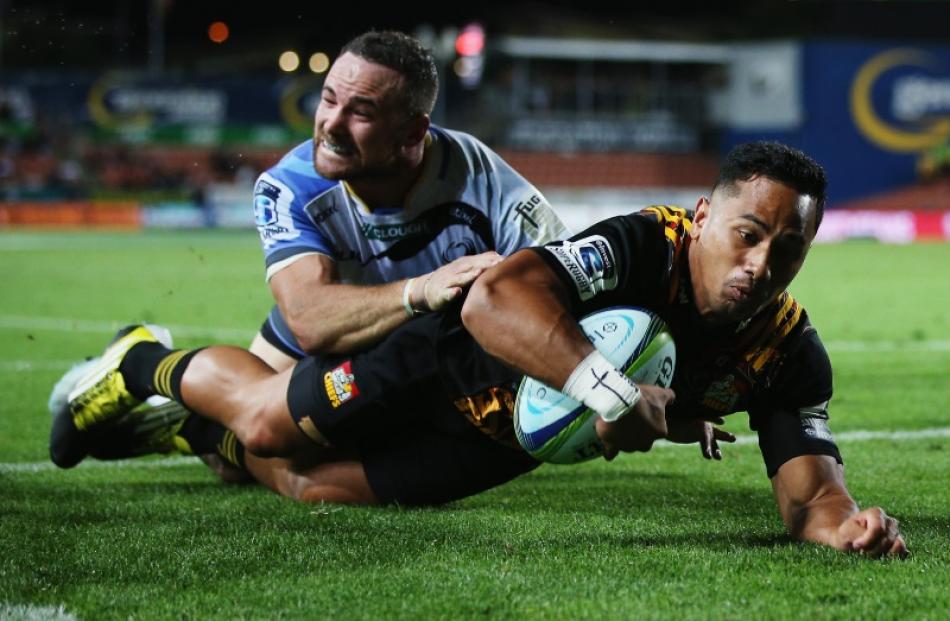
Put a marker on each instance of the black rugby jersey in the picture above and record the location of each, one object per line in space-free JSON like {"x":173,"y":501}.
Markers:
{"x":773,"y":365}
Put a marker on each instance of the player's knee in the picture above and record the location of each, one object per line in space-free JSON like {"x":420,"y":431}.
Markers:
{"x":262,"y":437}
{"x":334,"y":494}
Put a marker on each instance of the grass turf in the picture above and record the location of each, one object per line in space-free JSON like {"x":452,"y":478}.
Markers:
{"x":661,"y":535}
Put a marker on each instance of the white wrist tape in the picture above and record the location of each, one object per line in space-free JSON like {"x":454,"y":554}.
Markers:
{"x":600,"y":386}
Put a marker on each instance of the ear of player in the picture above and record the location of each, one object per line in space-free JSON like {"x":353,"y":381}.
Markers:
{"x":557,"y":429}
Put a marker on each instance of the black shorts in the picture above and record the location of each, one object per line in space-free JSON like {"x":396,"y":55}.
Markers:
{"x":390,"y":405}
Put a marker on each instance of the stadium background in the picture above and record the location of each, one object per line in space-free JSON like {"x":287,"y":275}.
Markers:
{"x":161,"y":113}
{"x":129,"y":142}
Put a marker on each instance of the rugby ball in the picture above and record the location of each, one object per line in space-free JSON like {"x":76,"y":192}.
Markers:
{"x":554,"y":428}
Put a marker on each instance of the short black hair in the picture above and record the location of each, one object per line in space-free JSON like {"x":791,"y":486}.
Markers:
{"x":409,"y":58}
{"x":779,"y":162}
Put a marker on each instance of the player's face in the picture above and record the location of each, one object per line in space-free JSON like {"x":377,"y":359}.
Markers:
{"x":749,"y":241}
{"x":360,"y":123}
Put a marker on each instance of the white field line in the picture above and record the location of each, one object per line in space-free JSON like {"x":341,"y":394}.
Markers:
{"x":167,"y":462}
{"x":60,"y":324}
{"x":27,"y":612}
{"x":91,"y":464}
{"x":27,"y":366}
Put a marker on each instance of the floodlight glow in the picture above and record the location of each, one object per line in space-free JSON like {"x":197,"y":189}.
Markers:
{"x":319,"y":62}
{"x":288,"y":61}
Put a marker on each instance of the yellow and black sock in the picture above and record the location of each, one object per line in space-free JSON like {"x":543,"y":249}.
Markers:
{"x":153,"y":369}
{"x":205,"y":436}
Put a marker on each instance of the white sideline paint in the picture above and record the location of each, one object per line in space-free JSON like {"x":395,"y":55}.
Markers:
{"x":91,"y":464}
{"x":26,"y":612}
{"x":61,"y":324}
{"x":168,"y":462}
{"x":65,"y":324}
{"x":859,"y":435}
{"x":23,"y":366}
{"x":887,"y":346}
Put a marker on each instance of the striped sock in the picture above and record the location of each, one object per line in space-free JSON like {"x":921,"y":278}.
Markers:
{"x":153,"y":369}
{"x":205,"y":436}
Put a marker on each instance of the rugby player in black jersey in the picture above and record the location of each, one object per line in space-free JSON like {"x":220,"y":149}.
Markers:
{"x":425,"y":416}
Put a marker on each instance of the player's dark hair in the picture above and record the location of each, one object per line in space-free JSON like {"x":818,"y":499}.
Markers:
{"x":779,"y":162}
{"x":403,"y":54}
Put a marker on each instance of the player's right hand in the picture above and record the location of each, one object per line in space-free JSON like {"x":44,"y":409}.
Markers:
{"x":639,"y":428}
{"x":435,"y":291}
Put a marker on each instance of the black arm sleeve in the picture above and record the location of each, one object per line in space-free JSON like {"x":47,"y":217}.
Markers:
{"x":792,"y":419}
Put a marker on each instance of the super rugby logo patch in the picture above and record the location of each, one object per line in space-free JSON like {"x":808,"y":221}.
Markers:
{"x":340,"y":384}
{"x":590,"y":262}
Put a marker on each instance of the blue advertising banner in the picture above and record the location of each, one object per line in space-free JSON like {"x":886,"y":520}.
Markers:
{"x":186,"y":110}
{"x":871,"y":110}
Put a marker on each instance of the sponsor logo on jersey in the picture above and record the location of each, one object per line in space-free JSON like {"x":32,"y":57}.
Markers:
{"x":459,"y":248}
{"x":272,"y":200}
{"x":324,"y":214}
{"x":590,"y":263}
{"x":524,"y":209}
{"x":394,"y":232}
{"x":537,"y":219}
{"x":340,"y":384}
{"x":814,"y":420}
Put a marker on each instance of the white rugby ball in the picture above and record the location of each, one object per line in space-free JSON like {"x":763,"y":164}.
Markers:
{"x":556,"y":429}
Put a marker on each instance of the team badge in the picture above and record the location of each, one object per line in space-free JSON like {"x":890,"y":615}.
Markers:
{"x":265,"y":203}
{"x":722,"y":394}
{"x":340,"y":384}
{"x":272,"y":201}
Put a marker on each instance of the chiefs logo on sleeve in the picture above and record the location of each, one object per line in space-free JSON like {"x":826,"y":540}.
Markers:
{"x":590,"y":263}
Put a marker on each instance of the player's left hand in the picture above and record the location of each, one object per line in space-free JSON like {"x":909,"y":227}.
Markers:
{"x":705,"y":432}
{"x":873,"y":533}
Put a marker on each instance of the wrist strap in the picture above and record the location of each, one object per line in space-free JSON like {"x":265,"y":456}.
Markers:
{"x":596,"y":383}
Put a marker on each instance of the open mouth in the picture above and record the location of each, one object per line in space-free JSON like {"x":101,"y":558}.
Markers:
{"x":334,"y":148}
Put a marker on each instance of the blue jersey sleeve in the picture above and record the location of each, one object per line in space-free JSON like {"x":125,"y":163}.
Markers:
{"x":280,"y":197}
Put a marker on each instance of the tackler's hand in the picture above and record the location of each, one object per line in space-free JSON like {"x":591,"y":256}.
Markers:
{"x":437,"y":289}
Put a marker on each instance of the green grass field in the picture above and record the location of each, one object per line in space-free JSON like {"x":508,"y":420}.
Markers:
{"x":661,"y":535}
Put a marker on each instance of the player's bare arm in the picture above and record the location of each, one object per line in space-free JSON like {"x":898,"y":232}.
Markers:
{"x":517,"y":311}
{"x":328,"y":316}
{"x":816,"y":506}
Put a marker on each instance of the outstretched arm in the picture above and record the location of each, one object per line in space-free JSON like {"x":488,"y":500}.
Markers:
{"x":816,"y":506}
